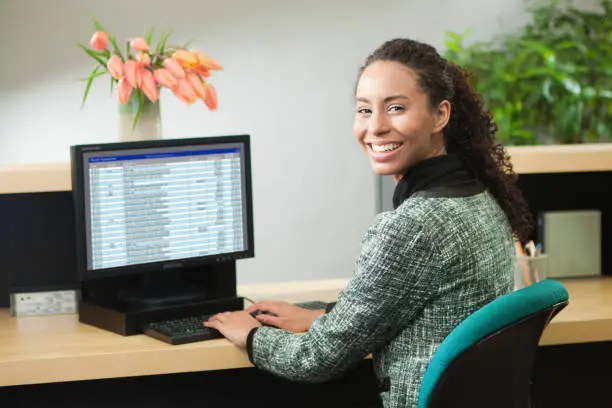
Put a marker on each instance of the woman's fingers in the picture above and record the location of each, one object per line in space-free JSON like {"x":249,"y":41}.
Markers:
{"x":268,"y":320}
{"x":265,"y":306}
{"x":219,"y":317}
{"x":214,"y":324}
{"x":254,"y":307}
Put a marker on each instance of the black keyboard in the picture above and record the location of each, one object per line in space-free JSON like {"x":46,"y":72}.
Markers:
{"x":183,"y":330}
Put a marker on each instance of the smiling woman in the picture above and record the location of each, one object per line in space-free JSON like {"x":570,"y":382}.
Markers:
{"x":429,"y":103}
{"x":394,"y":122}
{"x":443,"y":252}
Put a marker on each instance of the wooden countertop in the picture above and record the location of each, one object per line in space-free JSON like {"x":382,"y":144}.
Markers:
{"x":45,"y":349}
{"x":59,"y":348}
{"x":41,"y":177}
{"x":587,"y":318}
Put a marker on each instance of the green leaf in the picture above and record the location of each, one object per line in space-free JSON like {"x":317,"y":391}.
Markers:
{"x":604,"y":93}
{"x":116,"y":48}
{"x":538,"y":72}
{"x":112,"y":84}
{"x":569,"y":44}
{"x":93,"y":54}
{"x":456,"y":37}
{"x":149,"y":36}
{"x":161,"y":45}
{"x":546,"y":89}
{"x":103,"y":53}
{"x":571,"y":85}
{"x":93,"y":74}
{"x":602,"y":130}
{"x":589,"y":93}
{"x":97,"y":24}
{"x":522,"y":133}
{"x":139,"y":110}
{"x":452,"y":46}
{"x":528,"y":49}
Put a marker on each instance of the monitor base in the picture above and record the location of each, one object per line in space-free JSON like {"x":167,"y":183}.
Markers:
{"x":162,"y":290}
{"x":123,"y":304}
{"x":130,"y":322}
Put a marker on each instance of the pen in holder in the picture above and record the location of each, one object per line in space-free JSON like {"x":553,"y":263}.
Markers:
{"x":530,"y":265}
{"x":529,"y":270}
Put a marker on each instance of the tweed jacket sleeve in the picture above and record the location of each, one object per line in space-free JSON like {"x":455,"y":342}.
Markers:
{"x":391,"y":283}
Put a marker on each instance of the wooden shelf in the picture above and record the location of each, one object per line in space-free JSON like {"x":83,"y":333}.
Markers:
{"x":561,"y":158}
{"x":526,"y":160}
{"x":35,"y":178}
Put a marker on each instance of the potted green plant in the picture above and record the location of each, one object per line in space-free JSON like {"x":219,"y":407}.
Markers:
{"x":550,"y":82}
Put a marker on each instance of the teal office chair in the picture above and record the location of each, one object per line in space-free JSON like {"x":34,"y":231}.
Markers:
{"x":487,"y":360}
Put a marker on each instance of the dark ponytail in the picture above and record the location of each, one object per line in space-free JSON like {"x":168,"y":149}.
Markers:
{"x":470,"y":133}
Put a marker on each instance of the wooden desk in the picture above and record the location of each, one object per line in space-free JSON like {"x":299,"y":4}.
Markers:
{"x":587,"y":318}
{"x":59,"y":348}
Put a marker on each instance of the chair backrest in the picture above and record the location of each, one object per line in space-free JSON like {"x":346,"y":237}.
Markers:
{"x":487,"y":360}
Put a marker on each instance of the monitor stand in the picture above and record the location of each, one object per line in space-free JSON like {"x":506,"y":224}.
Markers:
{"x":122,"y":304}
{"x":162,"y":289}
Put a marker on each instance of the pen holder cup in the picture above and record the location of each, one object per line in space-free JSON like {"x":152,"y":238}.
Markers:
{"x":529,"y":270}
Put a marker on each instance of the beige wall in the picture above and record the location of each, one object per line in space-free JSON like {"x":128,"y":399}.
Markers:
{"x":289,"y":72}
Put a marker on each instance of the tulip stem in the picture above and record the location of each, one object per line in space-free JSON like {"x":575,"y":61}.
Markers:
{"x":139,"y":109}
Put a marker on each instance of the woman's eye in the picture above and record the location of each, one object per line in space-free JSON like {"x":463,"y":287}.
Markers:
{"x":363,"y":111}
{"x":396,"y":108}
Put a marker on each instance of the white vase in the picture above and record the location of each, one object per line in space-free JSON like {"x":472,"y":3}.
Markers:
{"x":149,"y":125}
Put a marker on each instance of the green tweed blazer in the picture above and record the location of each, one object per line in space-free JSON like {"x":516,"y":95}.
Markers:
{"x":423,"y":268}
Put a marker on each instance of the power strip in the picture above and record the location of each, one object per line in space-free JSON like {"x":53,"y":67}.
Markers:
{"x":43,"y":303}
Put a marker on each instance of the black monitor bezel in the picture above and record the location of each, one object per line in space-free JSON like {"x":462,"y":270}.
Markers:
{"x":78,"y":193}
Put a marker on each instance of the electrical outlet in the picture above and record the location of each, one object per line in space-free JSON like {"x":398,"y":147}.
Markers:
{"x":43,"y":303}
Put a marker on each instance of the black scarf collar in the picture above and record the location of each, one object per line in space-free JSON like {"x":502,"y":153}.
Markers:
{"x":435,"y":172}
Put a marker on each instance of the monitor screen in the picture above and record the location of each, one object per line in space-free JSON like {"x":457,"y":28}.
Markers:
{"x":162,"y":203}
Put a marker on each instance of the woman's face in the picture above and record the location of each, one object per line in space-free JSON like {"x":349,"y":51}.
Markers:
{"x":394,"y":121}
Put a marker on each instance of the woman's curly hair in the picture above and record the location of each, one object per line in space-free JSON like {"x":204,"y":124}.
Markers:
{"x":470,"y":133}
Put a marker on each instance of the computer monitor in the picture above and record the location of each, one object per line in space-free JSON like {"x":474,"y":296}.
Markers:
{"x":164,"y":205}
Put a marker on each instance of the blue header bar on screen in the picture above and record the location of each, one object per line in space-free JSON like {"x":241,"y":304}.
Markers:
{"x":162,"y":155}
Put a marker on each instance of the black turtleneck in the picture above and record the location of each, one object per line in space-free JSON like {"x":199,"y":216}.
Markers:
{"x":435,"y":172}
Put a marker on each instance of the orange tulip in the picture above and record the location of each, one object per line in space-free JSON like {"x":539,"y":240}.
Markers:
{"x":204,"y":72}
{"x":144,"y":59}
{"x":131,"y":70}
{"x":139,"y":44}
{"x":124,"y":91}
{"x":186,"y":59}
{"x":115,"y":66}
{"x":207,"y":62}
{"x":99,"y":41}
{"x":174,"y":67}
{"x":165,"y":78}
{"x":184,"y":91}
{"x":211,"y":97}
{"x":149,"y":86}
{"x":196,"y":83}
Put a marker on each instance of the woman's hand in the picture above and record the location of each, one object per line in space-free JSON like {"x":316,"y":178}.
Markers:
{"x":285,"y":315}
{"x":235,"y":326}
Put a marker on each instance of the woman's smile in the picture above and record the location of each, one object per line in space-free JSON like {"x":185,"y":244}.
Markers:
{"x":381,"y":152}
